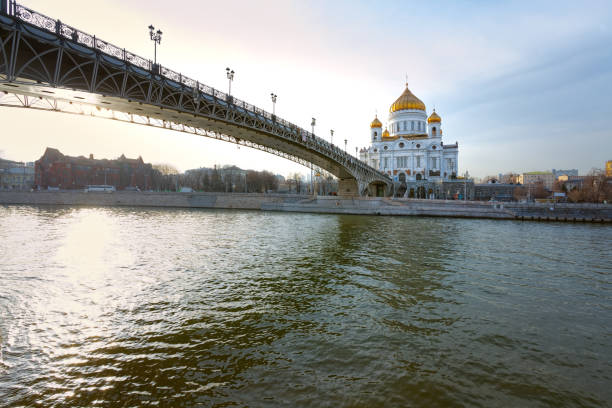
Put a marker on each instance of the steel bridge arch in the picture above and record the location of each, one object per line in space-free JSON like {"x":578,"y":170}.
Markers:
{"x":45,"y":64}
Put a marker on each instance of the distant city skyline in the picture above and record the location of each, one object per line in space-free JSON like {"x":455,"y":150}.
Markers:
{"x":521,"y":86}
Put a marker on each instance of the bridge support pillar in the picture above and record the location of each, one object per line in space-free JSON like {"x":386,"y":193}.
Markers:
{"x":348,"y":187}
{"x":358,"y":188}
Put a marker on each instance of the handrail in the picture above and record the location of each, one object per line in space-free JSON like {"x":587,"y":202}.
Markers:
{"x":63,"y":30}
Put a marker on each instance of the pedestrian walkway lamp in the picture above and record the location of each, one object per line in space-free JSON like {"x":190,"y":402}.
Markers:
{"x":273,"y":96}
{"x":312,"y":124}
{"x":230,"y":78}
{"x":345,"y":142}
{"x":156,"y":38}
{"x":331,"y":140}
{"x":465,"y":177}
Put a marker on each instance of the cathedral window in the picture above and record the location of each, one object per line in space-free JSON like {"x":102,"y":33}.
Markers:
{"x":404,"y":125}
{"x":434,"y":162}
{"x":401,"y":145}
{"x":412,"y":125}
{"x":386,"y":162}
{"x":418,"y":161}
{"x":385,"y":147}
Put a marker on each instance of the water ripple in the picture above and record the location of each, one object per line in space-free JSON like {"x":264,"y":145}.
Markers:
{"x":132,"y":307}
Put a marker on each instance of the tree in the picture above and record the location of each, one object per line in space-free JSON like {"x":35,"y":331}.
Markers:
{"x":539,"y":191}
{"x":165,"y":168}
{"x":216,"y":183}
{"x":519,"y":193}
{"x":295,"y":179}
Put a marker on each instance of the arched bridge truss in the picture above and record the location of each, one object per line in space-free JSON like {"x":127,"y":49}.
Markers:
{"x":48,"y":65}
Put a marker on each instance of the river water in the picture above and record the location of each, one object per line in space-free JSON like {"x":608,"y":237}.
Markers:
{"x":138,"y":307}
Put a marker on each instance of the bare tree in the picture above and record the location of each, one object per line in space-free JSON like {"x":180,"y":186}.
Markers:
{"x":519,"y":193}
{"x":539,"y":191}
{"x":165,"y":168}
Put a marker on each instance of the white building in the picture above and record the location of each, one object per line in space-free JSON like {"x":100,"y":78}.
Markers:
{"x":411,"y":147}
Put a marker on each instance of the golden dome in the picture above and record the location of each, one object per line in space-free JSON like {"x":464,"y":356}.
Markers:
{"x":376,"y":123}
{"x":407,"y":100}
{"x":385,"y":133}
{"x":434,"y":118}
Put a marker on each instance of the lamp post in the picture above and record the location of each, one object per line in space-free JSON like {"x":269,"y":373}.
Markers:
{"x":355,"y":151}
{"x":273,"y":96}
{"x":312,"y":124}
{"x":156,"y":38}
{"x":331,"y":140}
{"x":465,"y":177}
{"x":345,"y":142}
{"x":230,"y":77}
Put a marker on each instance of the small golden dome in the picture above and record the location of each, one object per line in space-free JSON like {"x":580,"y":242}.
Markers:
{"x":407,"y":100}
{"x":385,"y":133}
{"x":376,"y":123}
{"x":434,"y":118}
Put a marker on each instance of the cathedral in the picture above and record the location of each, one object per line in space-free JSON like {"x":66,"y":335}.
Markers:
{"x":411,"y":151}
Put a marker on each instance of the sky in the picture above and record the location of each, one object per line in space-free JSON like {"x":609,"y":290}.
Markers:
{"x":520,"y":85}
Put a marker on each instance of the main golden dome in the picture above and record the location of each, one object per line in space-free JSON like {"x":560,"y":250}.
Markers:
{"x":407,"y":100}
{"x":434,"y":118}
{"x":376,"y":123}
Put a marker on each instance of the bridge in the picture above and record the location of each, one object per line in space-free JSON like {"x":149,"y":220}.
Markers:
{"x":48,"y":65}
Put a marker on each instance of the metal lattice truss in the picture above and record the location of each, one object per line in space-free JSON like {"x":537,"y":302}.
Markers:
{"x":54,"y":105}
{"x":45,"y":64}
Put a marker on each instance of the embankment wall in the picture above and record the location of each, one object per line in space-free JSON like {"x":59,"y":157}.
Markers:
{"x":322,"y":204}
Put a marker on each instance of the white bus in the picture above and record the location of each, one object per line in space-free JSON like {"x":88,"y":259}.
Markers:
{"x":102,"y":188}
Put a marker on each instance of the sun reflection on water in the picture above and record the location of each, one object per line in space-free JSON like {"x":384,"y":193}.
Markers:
{"x":91,"y":246}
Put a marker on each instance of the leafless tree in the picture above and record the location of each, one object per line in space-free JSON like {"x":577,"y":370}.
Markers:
{"x":165,"y":168}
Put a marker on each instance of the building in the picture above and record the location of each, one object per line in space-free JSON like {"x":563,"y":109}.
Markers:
{"x":57,"y":170}
{"x":411,"y":151}
{"x":535,"y":177}
{"x":16,"y":175}
{"x":558,"y":173}
{"x":609,"y":168}
{"x":494,"y":192}
{"x":571,"y":182}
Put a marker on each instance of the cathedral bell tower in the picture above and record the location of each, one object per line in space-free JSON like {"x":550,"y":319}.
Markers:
{"x":375,"y":130}
{"x":434,"y":125}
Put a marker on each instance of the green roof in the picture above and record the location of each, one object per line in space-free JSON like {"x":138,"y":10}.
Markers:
{"x":538,"y":172}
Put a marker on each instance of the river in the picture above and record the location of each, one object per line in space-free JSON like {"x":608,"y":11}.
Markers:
{"x":183,"y":307}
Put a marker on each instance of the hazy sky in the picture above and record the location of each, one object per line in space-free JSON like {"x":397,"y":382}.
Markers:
{"x":520,"y":85}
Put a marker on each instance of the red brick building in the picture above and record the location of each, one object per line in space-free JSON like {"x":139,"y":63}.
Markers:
{"x":55,"y":169}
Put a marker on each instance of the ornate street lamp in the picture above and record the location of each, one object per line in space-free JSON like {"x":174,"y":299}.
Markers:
{"x":312,"y":124}
{"x":156,"y":38}
{"x":230,"y":78}
{"x":345,"y":142}
{"x":331,"y":140}
{"x":273,"y":96}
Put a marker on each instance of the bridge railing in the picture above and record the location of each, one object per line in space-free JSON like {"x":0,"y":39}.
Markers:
{"x":91,"y":41}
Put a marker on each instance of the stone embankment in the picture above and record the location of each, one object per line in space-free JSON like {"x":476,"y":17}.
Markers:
{"x":321,"y":204}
